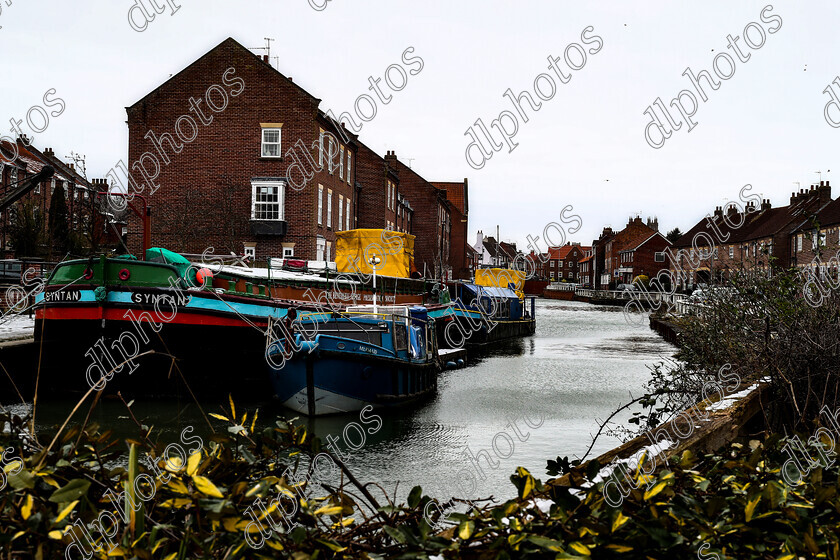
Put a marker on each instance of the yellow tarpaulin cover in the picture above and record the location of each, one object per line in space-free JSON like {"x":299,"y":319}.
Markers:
{"x":355,"y":247}
{"x":500,"y":278}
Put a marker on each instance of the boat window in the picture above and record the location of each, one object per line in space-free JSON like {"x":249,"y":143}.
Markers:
{"x":400,"y":337}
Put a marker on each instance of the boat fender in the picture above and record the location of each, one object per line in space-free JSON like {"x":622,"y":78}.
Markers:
{"x":460,"y":362}
{"x":100,"y":294}
{"x":450,"y":365}
{"x":124,"y":274}
{"x":88,"y":275}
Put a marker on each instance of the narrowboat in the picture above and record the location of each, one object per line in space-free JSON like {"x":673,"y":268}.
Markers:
{"x":342,"y":362}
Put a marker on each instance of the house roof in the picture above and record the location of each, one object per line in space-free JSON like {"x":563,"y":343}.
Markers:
{"x":828,"y":215}
{"x":586,"y":259}
{"x":561,"y":252}
{"x":634,"y":248}
{"x":230,"y":42}
{"x":456,"y":192}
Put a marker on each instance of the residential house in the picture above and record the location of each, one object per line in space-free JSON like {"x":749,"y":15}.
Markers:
{"x":646,"y":257}
{"x":563,"y":262}
{"x":234,"y":155}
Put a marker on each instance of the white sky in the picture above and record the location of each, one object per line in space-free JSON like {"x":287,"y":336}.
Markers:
{"x":764,"y":126}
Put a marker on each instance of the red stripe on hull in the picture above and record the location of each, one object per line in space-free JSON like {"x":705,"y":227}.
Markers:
{"x":110,"y":314}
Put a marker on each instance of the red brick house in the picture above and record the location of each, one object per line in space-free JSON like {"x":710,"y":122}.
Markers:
{"x":585,"y":266}
{"x":457,"y":193}
{"x":815,"y":241}
{"x":233,"y":155}
{"x":645,"y":258}
{"x":596,"y":275}
{"x":563,"y":262}
{"x":634,"y":233}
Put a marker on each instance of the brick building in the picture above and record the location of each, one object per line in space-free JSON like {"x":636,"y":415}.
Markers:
{"x":645,"y":258}
{"x":757,"y":238}
{"x":457,"y":193}
{"x":563,"y":262}
{"x":233,"y":155}
{"x":634,"y":233}
{"x":816,"y":240}
{"x":84,"y":218}
{"x":432,"y":221}
{"x":381,"y":204}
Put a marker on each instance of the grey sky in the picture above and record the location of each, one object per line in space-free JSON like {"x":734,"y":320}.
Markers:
{"x":764,"y":126}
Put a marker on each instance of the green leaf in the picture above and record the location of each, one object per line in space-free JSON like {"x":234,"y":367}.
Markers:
{"x":395,"y":534}
{"x":414,"y":497}
{"x":549,"y":544}
{"x":71,"y":491}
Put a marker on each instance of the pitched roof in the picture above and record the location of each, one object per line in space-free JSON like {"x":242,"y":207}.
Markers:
{"x":828,"y":215}
{"x":635,"y":247}
{"x":229,"y":43}
{"x":561,"y":252}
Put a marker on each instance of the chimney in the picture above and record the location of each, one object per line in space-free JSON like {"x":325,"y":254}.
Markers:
{"x":731,"y":210}
{"x":824,"y":193}
{"x":718,"y":212}
{"x":265,"y":58}
{"x":765,"y":204}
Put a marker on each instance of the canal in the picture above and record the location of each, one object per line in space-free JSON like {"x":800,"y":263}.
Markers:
{"x":518,"y":404}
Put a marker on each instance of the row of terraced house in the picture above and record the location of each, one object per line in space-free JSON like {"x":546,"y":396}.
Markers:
{"x":755,"y":237}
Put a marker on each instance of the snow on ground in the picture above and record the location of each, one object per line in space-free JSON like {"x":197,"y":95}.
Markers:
{"x":16,"y":327}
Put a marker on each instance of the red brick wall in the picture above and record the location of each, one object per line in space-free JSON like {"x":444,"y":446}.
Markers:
{"x":427,"y":202}
{"x":205,"y":194}
{"x":372,"y":174}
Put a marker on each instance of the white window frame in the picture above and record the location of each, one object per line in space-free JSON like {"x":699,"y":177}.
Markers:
{"x":341,"y":162}
{"x":329,"y":208}
{"x":340,"y":211}
{"x":347,"y":214}
{"x":320,"y":205}
{"x":349,"y":166}
{"x":799,"y":242}
{"x":328,"y":251}
{"x":288,"y":252}
{"x":281,"y":200}
{"x":321,"y":149}
{"x":278,"y":143}
{"x":320,"y":248}
{"x":251,"y":252}
{"x":731,"y":252}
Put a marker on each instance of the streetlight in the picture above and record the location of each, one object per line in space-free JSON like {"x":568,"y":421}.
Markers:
{"x":374,"y":261}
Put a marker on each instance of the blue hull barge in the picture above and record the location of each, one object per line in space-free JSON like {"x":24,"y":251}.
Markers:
{"x":331,"y":363}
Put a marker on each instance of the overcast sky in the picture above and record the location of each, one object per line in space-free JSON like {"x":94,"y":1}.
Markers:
{"x":585,"y":146}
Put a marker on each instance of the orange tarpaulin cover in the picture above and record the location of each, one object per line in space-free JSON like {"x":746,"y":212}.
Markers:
{"x":355,"y":247}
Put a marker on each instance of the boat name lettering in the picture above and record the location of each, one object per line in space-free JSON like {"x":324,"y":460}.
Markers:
{"x":154,"y":298}
{"x":368,"y":350}
{"x":63,"y":295}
